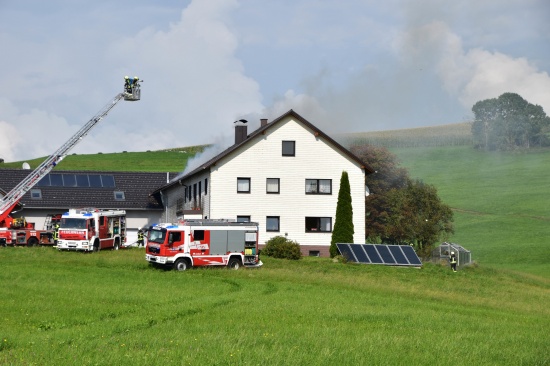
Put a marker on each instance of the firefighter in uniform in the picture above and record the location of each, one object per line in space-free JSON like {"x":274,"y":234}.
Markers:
{"x":127,"y":85}
{"x":452,"y":260}
{"x":55,"y":234}
{"x":140,"y":237}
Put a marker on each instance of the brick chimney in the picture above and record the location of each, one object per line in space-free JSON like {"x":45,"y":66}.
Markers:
{"x":240,"y":131}
{"x":263,"y":122}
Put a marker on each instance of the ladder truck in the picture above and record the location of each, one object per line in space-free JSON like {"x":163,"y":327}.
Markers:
{"x":14,"y":231}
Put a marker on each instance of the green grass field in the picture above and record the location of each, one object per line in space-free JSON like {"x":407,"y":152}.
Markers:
{"x":170,"y":160}
{"x":500,"y":201}
{"x":111,"y":308}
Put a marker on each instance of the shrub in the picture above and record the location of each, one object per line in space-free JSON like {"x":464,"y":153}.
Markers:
{"x":281,"y":247}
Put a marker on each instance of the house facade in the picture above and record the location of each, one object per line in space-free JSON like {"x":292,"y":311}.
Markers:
{"x":285,"y":176}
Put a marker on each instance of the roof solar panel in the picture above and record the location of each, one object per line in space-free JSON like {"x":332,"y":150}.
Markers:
{"x":392,"y":255}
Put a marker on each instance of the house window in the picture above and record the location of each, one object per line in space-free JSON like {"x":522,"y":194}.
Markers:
{"x":318,"y":224}
{"x":36,"y":194}
{"x":318,"y":186}
{"x":272,"y":223}
{"x":272,"y":185}
{"x":243,"y":185}
{"x":119,"y":196}
{"x":289,"y":148}
{"x":243,"y":218}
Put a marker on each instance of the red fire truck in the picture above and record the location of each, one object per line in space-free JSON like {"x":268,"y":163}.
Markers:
{"x":18,"y":231}
{"x":196,"y":243}
{"x":92,"y":230}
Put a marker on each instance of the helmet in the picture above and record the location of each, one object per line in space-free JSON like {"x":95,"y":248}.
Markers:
{"x":452,"y":252}
{"x":139,"y":228}
{"x":135,"y":77}
{"x":126,"y":77}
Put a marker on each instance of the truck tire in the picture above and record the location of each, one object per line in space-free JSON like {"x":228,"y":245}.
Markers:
{"x":234,"y":263}
{"x":117,"y":244}
{"x":32,"y":242}
{"x":96,"y":245}
{"x":181,"y":264}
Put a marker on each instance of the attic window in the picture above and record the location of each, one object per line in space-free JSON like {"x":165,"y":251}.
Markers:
{"x":36,"y":194}
{"x":119,"y":196}
{"x":289,"y":148}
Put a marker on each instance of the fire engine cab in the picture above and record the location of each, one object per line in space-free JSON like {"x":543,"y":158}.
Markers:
{"x":92,"y":230}
{"x":203,"y":242}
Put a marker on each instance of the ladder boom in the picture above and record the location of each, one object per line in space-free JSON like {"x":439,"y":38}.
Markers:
{"x":10,"y":199}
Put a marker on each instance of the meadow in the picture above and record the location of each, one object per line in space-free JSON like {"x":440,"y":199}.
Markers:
{"x":500,"y":201}
{"x":111,"y":308}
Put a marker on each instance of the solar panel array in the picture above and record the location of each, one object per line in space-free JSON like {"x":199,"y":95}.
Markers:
{"x":391,"y":255}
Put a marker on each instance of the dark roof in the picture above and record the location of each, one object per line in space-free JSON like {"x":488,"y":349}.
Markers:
{"x":290,"y":113}
{"x":137,"y":187}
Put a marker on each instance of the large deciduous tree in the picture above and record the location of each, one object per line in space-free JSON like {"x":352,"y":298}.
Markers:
{"x":343,"y":225}
{"x":508,"y":122}
{"x":400,"y":210}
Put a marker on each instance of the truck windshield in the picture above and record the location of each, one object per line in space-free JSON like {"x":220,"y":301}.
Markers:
{"x":157,"y":236}
{"x":69,"y":223}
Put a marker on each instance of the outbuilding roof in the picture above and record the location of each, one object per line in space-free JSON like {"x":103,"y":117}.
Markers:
{"x":136,"y":188}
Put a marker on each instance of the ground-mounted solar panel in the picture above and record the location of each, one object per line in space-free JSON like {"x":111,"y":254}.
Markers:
{"x":346,"y":252}
{"x":411,"y":255}
{"x":360,"y":254}
{"x":372,"y":253}
{"x":398,"y":254}
{"x":385,"y":254}
{"x":391,"y":255}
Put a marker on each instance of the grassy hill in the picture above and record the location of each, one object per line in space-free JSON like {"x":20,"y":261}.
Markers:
{"x":169,"y":160}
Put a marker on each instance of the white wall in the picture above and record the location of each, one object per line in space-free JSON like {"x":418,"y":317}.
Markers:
{"x":263,"y":159}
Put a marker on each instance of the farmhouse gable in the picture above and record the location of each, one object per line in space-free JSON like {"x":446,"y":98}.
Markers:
{"x":285,"y":175}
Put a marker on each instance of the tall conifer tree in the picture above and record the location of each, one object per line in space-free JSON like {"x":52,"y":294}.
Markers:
{"x":343,"y":226}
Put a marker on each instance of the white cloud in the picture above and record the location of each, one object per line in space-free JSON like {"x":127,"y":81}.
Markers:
{"x":194,"y":87}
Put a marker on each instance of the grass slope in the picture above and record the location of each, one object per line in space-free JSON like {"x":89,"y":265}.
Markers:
{"x":501,"y":202}
{"x":110,"y":308}
{"x":171,"y":160}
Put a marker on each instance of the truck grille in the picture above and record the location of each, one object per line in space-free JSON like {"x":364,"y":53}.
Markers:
{"x":153,"y":250}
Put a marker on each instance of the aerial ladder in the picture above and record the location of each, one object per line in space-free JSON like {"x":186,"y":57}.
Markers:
{"x":11,"y":199}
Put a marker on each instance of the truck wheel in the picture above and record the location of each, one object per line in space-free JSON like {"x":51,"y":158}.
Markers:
{"x":117,"y":245}
{"x":32,"y":242}
{"x":181,"y":264}
{"x":234,"y":263}
{"x":96,"y":245}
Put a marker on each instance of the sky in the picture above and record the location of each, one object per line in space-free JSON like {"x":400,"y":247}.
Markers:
{"x":344,"y":65}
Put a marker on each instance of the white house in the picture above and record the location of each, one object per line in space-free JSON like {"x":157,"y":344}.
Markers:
{"x":285,"y":176}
